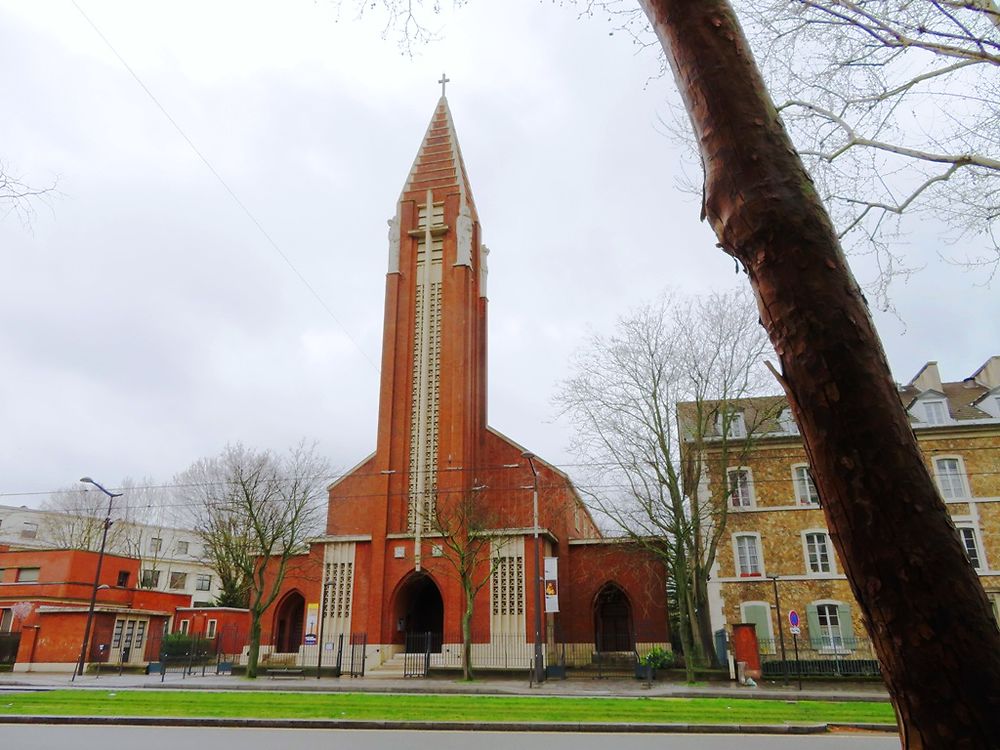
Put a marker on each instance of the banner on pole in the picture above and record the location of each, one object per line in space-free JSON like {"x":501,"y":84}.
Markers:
{"x":312,"y":618}
{"x":551,"y":578}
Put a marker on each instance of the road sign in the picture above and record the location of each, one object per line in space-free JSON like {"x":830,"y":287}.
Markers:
{"x":793,"y":618}
{"x":795,"y":630}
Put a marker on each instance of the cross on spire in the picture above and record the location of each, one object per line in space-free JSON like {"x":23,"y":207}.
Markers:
{"x":444,"y":80}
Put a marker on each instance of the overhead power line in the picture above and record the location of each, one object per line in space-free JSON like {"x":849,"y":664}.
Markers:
{"x":225,"y":186}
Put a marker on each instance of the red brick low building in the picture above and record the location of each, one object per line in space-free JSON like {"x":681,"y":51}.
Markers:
{"x":45,"y":595}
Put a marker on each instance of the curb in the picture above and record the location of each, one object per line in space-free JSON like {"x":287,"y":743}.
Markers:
{"x":457,"y":726}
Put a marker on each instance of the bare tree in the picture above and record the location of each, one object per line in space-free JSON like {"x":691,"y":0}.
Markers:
{"x":623,"y":396}
{"x":923,"y":605}
{"x":467,"y":531}
{"x":254,"y":511}
{"x":17,"y":196}
{"x":74,"y":519}
{"x":895,"y":108}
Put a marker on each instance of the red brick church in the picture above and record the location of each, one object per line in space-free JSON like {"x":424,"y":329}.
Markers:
{"x":385,"y":570}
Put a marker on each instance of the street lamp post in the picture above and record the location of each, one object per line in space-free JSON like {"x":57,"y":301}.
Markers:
{"x":781,"y":627}
{"x":97,"y":576}
{"x":322,"y":618}
{"x":539,"y":672}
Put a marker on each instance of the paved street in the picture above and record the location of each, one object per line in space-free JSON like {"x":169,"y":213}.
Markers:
{"x":46,"y":737}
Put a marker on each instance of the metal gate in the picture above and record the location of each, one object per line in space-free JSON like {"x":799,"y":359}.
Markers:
{"x":417,"y":654}
{"x":358,"y":647}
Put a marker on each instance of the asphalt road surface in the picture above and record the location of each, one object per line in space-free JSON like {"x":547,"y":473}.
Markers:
{"x":47,"y":737}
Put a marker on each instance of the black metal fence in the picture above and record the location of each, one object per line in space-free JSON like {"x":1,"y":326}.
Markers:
{"x":358,"y":651}
{"x":424,"y":652}
{"x":843,"y":657}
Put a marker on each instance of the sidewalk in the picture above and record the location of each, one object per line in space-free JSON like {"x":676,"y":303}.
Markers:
{"x":486,"y":685}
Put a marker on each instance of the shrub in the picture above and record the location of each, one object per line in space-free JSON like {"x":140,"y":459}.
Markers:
{"x":658,"y":658}
{"x":175,"y":645}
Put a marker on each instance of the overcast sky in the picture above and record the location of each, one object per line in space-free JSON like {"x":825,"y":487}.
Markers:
{"x":147,"y":320}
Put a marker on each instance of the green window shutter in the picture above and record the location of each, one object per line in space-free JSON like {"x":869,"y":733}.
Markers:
{"x":760,"y":616}
{"x":812,"y":622}
{"x":846,"y":625}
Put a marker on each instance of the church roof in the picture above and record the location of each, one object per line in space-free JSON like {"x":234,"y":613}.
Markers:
{"x":439,"y":166}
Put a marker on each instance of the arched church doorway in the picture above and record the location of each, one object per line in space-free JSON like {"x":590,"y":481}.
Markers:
{"x":613,"y":620}
{"x":419,"y":610}
{"x":288,"y":619}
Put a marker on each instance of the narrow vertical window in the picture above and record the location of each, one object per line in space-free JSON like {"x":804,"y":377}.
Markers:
{"x":740,"y":491}
{"x":805,"y":488}
{"x":968,"y":537}
{"x":818,"y":553}
{"x":748,"y":556}
{"x":950,"y":478}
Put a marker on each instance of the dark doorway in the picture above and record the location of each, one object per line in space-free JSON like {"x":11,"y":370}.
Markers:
{"x":613,"y":620}
{"x":288,"y":623}
{"x":419,"y":610}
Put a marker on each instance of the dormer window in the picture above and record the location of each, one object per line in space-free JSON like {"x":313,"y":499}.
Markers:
{"x":732,"y":424}
{"x":936,"y":412}
{"x":787,"y":422}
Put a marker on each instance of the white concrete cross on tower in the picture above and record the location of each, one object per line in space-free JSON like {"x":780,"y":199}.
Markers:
{"x":444,"y":80}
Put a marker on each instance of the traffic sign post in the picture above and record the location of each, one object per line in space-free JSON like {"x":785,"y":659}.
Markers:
{"x":796,"y":631}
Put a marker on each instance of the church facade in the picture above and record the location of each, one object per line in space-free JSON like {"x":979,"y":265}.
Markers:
{"x":441,"y":483}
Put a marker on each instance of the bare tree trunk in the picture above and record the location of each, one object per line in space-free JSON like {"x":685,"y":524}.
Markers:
{"x":467,"y":639}
{"x":923,"y":605}
{"x":682,"y":582}
{"x":704,"y":621}
{"x":253,"y":654}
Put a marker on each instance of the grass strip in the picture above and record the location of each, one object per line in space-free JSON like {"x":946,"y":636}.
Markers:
{"x":383,"y":707}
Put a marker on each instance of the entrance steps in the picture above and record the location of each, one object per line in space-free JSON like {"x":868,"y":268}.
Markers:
{"x":391,"y":669}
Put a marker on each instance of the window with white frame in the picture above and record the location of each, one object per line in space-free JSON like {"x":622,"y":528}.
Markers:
{"x":936,"y":411}
{"x":731,"y":424}
{"x":968,"y":536}
{"x":185,"y":624}
{"x":830,"y":627}
{"x":178,"y":580}
{"x":830,"y":633}
{"x":155,"y":544}
{"x":29,"y":530}
{"x":805,"y":488}
{"x":203,"y":582}
{"x":950,"y":475}
{"x":740,"y":488}
{"x":787,"y":422}
{"x":818,"y":557}
{"x":211,"y":628}
{"x":748,"y":562}
{"x":6,"y":620}
{"x":181,"y":548}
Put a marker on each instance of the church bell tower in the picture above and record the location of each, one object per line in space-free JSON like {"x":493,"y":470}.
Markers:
{"x":432,"y":400}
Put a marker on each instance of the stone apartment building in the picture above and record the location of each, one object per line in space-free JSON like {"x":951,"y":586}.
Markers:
{"x":776,"y":527}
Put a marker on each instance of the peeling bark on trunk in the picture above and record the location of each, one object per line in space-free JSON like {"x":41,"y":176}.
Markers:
{"x":923,"y":605}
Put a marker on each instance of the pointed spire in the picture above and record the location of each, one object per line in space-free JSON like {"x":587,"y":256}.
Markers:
{"x":439,"y":166}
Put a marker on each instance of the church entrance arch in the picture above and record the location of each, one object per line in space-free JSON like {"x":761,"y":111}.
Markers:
{"x":288,"y":619}
{"x":419,"y":610}
{"x":613,"y":620}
